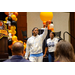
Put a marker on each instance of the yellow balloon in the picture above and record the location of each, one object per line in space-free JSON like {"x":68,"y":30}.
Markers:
{"x":6,"y":18}
{"x":13,"y":32}
{"x":16,"y":19}
{"x":45,"y":16}
{"x":10,"y":31}
{"x":13,"y":17}
{"x":14,"y":38}
{"x":13,"y":28}
{"x":20,"y":41}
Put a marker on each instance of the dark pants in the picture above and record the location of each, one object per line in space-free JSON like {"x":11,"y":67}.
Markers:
{"x":51,"y":56}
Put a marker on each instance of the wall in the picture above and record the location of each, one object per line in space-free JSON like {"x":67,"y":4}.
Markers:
{"x":60,"y":20}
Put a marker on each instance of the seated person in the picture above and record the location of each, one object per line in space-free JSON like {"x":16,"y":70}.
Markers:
{"x":17,"y":53}
{"x":64,"y":52}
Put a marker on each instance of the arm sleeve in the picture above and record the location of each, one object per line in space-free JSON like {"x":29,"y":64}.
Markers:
{"x":44,"y":33}
{"x":27,"y":49}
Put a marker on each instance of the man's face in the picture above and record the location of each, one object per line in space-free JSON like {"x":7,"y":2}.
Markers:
{"x":35,"y":31}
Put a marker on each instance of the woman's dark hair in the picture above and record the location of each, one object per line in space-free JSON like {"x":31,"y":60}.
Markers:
{"x":53,"y":33}
{"x":64,"y":52}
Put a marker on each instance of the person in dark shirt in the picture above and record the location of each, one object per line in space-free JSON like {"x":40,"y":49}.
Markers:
{"x":17,"y":53}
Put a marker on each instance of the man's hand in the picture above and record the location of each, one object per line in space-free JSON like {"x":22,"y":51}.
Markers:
{"x":44,"y":55}
{"x":47,"y":23}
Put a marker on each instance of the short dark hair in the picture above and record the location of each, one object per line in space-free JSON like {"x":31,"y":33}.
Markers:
{"x":17,"y":47}
{"x":53,"y":33}
{"x":34,"y":28}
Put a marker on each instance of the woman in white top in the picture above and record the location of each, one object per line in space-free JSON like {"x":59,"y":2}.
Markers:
{"x":50,"y":46}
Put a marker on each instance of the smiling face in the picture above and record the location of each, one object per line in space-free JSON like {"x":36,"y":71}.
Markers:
{"x":35,"y":31}
{"x":51,"y":35}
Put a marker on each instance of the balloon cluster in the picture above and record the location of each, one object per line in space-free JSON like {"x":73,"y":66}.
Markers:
{"x":11,"y":20}
{"x":47,"y":16}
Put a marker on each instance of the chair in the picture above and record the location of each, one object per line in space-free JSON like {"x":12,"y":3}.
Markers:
{"x":58,"y":35}
{"x":24,"y":35}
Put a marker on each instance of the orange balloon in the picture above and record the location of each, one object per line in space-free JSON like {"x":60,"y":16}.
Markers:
{"x":10,"y":46}
{"x":7,"y":13}
{"x":15,"y":13}
{"x":44,"y":22}
{"x":13,"y":17}
{"x":45,"y":16}
{"x":49,"y":21}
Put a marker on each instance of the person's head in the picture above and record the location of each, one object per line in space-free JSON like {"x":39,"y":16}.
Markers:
{"x":35,"y":31}
{"x":18,"y":49}
{"x":52,"y":35}
{"x":64,"y":52}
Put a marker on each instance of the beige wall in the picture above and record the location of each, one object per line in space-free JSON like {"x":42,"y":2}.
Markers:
{"x":60,"y":21}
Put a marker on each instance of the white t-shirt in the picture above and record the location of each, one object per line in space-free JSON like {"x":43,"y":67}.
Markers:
{"x":51,"y":44}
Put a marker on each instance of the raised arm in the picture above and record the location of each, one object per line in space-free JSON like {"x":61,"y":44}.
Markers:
{"x":45,"y":31}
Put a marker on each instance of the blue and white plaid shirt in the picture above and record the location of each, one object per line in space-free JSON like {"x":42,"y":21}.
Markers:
{"x":34,"y":44}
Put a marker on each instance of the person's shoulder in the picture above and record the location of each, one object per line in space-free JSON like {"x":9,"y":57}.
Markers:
{"x":56,"y":39}
{"x":48,"y":39}
{"x":24,"y":60}
{"x":30,"y":38}
{"x":8,"y":60}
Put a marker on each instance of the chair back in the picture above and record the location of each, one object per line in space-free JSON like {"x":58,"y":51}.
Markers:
{"x":58,"y":34}
{"x":24,"y":33}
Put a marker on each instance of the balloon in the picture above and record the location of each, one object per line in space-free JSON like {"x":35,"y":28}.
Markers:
{"x":49,"y":21}
{"x":9,"y":18}
{"x":24,"y":45}
{"x":16,"y":19}
{"x":20,"y":41}
{"x":44,"y":22}
{"x":10,"y":31}
{"x":6,"y":18}
{"x":46,"y":16}
{"x":7,"y":13}
{"x":51,"y":25}
{"x":14,"y":38}
{"x":14,"y":42}
{"x":13,"y":32}
{"x":13,"y":17}
{"x":1,"y":23}
{"x":15,"y":13}
{"x":13,"y":27}
{"x":5,"y":22}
